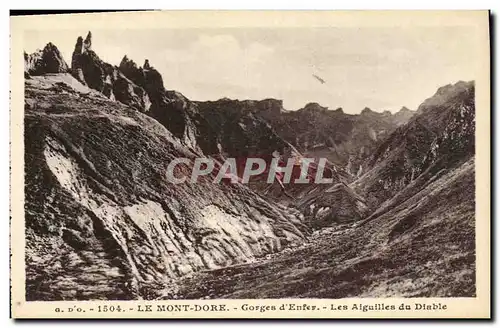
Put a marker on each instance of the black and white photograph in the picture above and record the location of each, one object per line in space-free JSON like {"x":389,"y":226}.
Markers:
{"x":267,"y":161}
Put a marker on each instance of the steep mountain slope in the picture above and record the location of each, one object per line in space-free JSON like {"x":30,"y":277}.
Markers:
{"x":440,"y":137}
{"x":103,"y":221}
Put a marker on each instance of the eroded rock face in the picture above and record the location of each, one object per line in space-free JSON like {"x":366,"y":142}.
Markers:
{"x":101,"y":211}
{"x":47,"y":60}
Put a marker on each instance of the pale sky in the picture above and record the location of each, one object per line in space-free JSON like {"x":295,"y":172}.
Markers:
{"x":380,"y":68}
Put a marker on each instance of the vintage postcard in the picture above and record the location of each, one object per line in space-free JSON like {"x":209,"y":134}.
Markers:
{"x":263,"y":164}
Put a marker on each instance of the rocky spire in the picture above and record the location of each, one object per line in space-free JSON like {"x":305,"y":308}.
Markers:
{"x":87,"y":44}
{"x":76,"y":67}
{"x":87,"y":67}
{"x":77,"y":52}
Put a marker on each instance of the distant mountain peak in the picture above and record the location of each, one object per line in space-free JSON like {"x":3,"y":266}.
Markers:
{"x":445,"y":93}
{"x":367,"y":110}
{"x":314,"y":106}
{"x":403,"y":115}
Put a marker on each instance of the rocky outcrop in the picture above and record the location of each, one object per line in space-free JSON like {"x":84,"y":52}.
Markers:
{"x":88,"y":68}
{"x":170,"y":108}
{"x":76,"y":61}
{"x":130,"y":69}
{"x":234,"y":128}
{"x":147,"y":77}
{"x":86,"y":61}
{"x":45,"y":61}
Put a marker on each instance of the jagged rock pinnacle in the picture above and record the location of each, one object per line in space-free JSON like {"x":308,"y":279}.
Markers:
{"x":124,"y":60}
{"x":146,"y":76}
{"x":87,"y":45}
{"x":79,"y":45}
{"x":78,"y":51}
{"x":127,"y":64}
{"x":76,"y":66}
{"x":48,"y":60}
